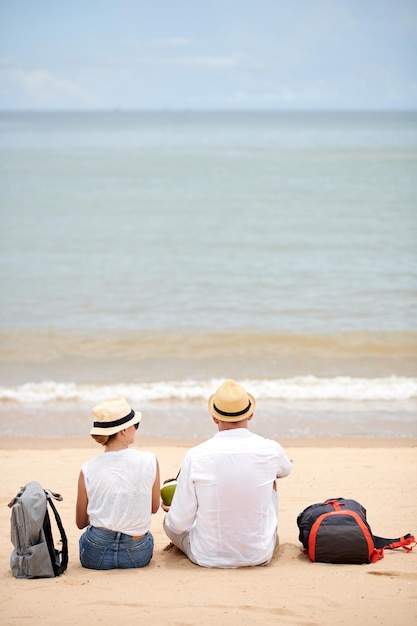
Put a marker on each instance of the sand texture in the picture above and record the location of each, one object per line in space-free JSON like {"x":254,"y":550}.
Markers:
{"x":381,"y":474}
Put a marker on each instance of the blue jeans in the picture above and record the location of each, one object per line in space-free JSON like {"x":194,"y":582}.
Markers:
{"x":105,"y":549}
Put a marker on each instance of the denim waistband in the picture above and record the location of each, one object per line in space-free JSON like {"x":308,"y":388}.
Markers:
{"x":114,"y":536}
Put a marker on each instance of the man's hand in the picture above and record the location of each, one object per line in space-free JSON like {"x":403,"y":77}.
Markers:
{"x":165,"y":507}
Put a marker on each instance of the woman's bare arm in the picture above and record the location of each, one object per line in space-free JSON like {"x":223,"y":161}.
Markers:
{"x":156,"y":490}
{"x":81,"y":516}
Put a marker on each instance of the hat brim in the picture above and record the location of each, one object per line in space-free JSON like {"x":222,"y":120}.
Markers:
{"x":232,"y":418}
{"x":100,"y":430}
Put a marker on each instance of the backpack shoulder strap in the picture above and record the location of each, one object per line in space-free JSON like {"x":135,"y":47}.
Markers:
{"x":54,"y":495}
{"x":407,"y":542}
{"x":61,"y":556}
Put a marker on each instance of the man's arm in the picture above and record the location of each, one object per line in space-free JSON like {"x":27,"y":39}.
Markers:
{"x":284,"y":464}
{"x":181,"y":514}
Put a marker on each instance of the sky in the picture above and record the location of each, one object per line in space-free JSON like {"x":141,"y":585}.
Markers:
{"x":214,"y":54}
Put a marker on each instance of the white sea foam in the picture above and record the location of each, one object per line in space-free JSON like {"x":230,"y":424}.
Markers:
{"x":298,"y":388}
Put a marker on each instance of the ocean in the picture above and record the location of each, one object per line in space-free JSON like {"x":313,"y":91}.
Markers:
{"x":154,"y":254}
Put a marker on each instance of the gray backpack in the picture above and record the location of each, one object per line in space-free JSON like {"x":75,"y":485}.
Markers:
{"x":35,"y":555}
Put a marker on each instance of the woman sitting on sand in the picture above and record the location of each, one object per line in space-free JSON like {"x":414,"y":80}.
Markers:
{"x":117,"y":493}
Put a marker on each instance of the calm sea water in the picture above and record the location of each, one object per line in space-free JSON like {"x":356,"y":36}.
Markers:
{"x":154,"y":254}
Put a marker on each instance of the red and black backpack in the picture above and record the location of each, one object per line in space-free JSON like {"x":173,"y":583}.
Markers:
{"x":336,"y":531}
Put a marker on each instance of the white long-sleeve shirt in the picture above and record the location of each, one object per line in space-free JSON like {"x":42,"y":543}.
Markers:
{"x":224,"y":498}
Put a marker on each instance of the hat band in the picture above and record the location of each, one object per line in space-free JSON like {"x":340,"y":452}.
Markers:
{"x":118,"y":422}
{"x":226,"y":414}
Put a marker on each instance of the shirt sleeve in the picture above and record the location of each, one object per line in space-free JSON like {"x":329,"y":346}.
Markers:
{"x":183,"y":509}
{"x":284,"y":463}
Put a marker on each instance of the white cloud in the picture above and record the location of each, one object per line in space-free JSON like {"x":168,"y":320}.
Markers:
{"x":172,"y":42}
{"x":191,"y":61}
{"x":282,"y":94}
{"x":161,"y":52}
{"x":43,"y":84}
{"x":38,"y":85}
{"x":161,"y":42}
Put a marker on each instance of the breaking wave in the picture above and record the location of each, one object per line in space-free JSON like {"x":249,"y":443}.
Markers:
{"x":291,"y":389}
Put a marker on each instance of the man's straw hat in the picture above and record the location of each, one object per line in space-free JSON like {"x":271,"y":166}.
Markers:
{"x":231,"y":403}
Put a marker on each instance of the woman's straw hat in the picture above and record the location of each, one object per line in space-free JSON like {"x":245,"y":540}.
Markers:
{"x":231,"y":403}
{"x":113,"y":415}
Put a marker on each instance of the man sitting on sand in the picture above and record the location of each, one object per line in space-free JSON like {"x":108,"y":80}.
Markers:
{"x":225,"y":508}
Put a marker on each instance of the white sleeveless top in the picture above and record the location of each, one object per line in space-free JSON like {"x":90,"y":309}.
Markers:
{"x":119,"y":490}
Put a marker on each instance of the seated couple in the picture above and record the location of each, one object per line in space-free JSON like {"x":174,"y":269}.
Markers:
{"x":225,"y":510}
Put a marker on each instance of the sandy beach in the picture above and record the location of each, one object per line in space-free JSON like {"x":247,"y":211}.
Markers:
{"x":379,"y":473}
